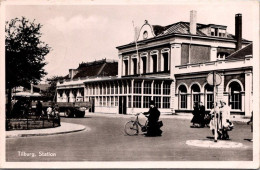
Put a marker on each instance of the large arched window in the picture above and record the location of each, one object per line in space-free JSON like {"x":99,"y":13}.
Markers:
{"x":182,"y":97}
{"x":235,"y":99}
{"x":209,"y":96}
{"x":195,"y":91}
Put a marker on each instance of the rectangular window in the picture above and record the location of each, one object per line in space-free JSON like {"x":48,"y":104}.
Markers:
{"x":129,"y":101}
{"x":104,"y":101}
{"x":94,"y":90}
{"x":104,"y":89}
{"x":108,"y":89}
{"x":157,"y":101}
{"x":154,"y":58}
{"x":144,"y":64}
{"x":112,"y":101}
{"x":157,"y":88}
{"x":108,"y":101}
{"x":135,"y":66}
{"x":196,"y":98}
{"x":166,"y":89}
{"x":137,"y":102}
{"x":166,"y":102}
{"x":165,"y":64}
{"x":120,"y":89}
{"x":126,"y":67}
{"x":235,"y":101}
{"x":116,"y":101}
{"x":147,"y":87}
{"x":129,"y":87}
{"x":183,"y":101}
{"x":112,"y":89}
{"x":146,"y":101}
{"x":137,"y":87}
{"x":210,"y":101}
{"x":100,"y":89}
{"x":116,"y":89}
{"x":100,"y":101}
{"x":125,"y":89}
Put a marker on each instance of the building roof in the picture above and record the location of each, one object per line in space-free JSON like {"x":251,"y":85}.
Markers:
{"x":42,"y":87}
{"x":184,"y":29}
{"x":97,"y":68}
{"x":242,"y":53}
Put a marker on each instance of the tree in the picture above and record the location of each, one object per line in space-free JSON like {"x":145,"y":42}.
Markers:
{"x":50,"y":93}
{"x":25,"y":54}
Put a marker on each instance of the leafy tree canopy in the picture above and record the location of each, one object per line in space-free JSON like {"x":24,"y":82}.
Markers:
{"x":25,"y":52}
{"x":50,"y":92}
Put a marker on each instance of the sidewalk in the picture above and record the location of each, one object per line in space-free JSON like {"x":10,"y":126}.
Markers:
{"x":64,"y":128}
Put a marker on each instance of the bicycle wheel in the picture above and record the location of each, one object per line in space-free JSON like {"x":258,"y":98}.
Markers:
{"x":131,"y":128}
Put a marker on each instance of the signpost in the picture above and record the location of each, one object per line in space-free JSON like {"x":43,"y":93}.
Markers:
{"x":214,"y":79}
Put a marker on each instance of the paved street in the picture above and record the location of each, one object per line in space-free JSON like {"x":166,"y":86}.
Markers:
{"x":106,"y":141}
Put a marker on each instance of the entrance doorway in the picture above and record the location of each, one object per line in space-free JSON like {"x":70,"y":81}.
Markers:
{"x":122,"y":105}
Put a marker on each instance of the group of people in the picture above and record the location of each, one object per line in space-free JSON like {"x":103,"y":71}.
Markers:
{"x":219,"y":118}
{"x":199,"y":116}
{"x":52,"y":111}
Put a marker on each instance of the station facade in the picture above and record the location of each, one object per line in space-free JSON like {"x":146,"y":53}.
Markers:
{"x":170,"y":65}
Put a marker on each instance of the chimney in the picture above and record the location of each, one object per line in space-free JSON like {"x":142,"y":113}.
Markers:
{"x":72,"y":73}
{"x":238,"y":31}
{"x":193,"y":22}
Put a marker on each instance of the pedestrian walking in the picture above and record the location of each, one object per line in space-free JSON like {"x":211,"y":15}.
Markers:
{"x":153,"y":128}
{"x":196,"y":116}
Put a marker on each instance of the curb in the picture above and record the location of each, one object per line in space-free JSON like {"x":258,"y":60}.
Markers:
{"x":39,"y":133}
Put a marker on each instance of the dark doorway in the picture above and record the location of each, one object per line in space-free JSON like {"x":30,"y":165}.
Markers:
{"x":144,"y":65}
{"x":92,"y":101}
{"x":122,"y":104}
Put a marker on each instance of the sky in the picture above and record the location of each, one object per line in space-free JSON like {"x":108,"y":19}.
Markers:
{"x":84,"y":33}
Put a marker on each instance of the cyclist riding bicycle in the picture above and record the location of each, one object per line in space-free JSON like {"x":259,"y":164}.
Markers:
{"x":153,"y":127}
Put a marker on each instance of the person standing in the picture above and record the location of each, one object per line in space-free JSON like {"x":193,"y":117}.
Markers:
{"x":196,"y":116}
{"x":38,"y":109}
{"x":225,"y":117}
{"x":49,"y":112}
{"x":153,"y":115}
{"x":202,"y":114}
{"x":215,"y":121}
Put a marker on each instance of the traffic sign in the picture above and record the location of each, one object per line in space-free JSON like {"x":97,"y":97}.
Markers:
{"x":210,"y":79}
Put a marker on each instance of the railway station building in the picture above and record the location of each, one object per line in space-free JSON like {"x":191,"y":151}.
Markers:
{"x":170,"y":64}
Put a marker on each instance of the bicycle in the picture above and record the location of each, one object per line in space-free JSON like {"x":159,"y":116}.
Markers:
{"x":132,"y":126}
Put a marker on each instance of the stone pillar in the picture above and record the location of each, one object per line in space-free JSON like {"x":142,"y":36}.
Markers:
{"x":175,"y":57}
{"x":248,"y":92}
{"x":189,"y":101}
{"x":213,"y":54}
{"x":174,"y":98}
{"x":120,"y":65}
